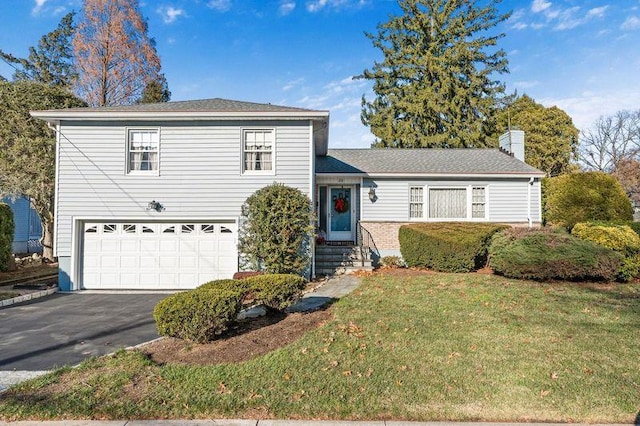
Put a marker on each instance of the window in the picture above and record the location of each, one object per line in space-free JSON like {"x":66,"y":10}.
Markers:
{"x":448,"y":203}
{"x":478,"y":203}
{"x":257,"y":150}
{"x":142,"y":151}
{"x":415,"y":202}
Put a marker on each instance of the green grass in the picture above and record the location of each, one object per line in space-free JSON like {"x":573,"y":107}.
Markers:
{"x":427,"y":347}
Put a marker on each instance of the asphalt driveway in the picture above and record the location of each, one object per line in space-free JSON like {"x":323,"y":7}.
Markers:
{"x":65,"y":329}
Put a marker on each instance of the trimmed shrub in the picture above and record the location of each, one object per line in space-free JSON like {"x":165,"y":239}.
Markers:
{"x":447,"y":247}
{"x":620,"y":238}
{"x":635,"y":226}
{"x":585,"y":197}
{"x":6,"y":236}
{"x":276,"y":291}
{"x":240,"y":286}
{"x":198,"y":315}
{"x":276,"y":230}
{"x":545,"y":254}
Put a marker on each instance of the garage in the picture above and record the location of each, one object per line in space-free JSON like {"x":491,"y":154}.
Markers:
{"x":157,"y":256}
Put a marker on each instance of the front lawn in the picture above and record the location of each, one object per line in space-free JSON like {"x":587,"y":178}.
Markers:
{"x":415,"y":346}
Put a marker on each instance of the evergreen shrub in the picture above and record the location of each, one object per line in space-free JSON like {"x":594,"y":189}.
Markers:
{"x":197,"y":315}
{"x":546,"y":254}
{"x":276,"y":291}
{"x":276,"y":230}
{"x":6,"y":236}
{"x":620,"y":238}
{"x":447,"y":247}
{"x":585,"y":197}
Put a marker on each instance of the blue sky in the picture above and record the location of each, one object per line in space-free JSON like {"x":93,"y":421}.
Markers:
{"x":581,"y":55}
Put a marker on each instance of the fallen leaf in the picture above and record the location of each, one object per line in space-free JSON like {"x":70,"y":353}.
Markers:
{"x":554,"y":376}
{"x":287,"y":376}
{"x":544,"y":393}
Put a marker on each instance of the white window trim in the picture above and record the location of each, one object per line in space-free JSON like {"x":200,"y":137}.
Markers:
{"x":273,"y":151}
{"x":127,"y":170}
{"x":469,"y":194}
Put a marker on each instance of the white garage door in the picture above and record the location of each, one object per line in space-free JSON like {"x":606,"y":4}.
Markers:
{"x":154,"y":256}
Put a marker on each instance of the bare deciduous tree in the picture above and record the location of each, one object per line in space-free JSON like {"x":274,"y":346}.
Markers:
{"x":612,"y":139}
{"x":114,"y":56}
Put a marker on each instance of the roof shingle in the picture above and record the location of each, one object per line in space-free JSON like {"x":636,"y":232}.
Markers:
{"x":421,"y":161}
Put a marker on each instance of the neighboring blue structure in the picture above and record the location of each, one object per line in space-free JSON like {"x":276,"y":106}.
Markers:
{"x":28,"y":228}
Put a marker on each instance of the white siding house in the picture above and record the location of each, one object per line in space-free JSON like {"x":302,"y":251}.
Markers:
{"x":149,"y":196}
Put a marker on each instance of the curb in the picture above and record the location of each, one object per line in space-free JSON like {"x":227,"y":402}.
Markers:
{"x":26,"y":297}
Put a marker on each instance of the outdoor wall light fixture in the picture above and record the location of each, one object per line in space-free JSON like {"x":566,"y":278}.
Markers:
{"x":372,"y":194}
{"x":154,"y":205}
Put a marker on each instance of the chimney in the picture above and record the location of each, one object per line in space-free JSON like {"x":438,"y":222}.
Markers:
{"x":513,"y":143}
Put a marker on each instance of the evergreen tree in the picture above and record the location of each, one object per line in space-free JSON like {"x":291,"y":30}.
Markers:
{"x":28,"y":147}
{"x":51,"y":62}
{"x":156,"y":91}
{"x":551,"y":139}
{"x":435,"y":86}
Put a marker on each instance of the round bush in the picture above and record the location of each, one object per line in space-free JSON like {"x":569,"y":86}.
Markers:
{"x":585,"y":197}
{"x":276,"y":291}
{"x":545,"y":255}
{"x":240,"y":286}
{"x":198,"y":315}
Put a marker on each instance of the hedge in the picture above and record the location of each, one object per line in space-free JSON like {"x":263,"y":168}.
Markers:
{"x":6,"y":236}
{"x":447,"y":247}
{"x":543,"y":254}
{"x":620,"y":238}
{"x":197,"y":315}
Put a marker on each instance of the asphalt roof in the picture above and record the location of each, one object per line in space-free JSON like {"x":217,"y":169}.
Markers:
{"x":421,"y":161}
{"x":202,"y":105}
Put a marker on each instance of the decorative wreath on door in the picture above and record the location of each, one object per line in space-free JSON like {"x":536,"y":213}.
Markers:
{"x":340,"y":204}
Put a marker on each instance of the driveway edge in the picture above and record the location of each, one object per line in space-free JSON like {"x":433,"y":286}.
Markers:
{"x":27,"y":297}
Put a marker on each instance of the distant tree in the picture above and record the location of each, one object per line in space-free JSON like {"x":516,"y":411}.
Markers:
{"x":51,"y":62}
{"x":27,"y":147}
{"x":611,"y":139}
{"x":627,"y":172}
{"x":156,"y":91}
{"x":435,"y":86}
{"x":551,"y":139}
{"x":115,"y":58}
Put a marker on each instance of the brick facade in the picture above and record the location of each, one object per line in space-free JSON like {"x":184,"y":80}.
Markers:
{"x":384,"y":234}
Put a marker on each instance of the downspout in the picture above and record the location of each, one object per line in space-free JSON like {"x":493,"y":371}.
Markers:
{"x":529,"y":219}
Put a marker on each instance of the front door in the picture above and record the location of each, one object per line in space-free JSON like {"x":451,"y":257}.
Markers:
{"x":341,"y":211}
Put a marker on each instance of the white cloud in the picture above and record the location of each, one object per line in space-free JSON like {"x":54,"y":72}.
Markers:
{"x":170,"y":14}
{"x":597,"y":12}
{"x":286,"y":7}
{"x":219,"y":5}
{"x":318,"y":5}
{"x":292,"y":84}
{"x":631,"y":23}
{"x":38,"y":7}
{"x":540,"y":5}
{"x":585,"y":108}
{"x":524,"y":85}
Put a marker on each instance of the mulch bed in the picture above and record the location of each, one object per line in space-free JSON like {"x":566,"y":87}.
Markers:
{"x":248,"y":340}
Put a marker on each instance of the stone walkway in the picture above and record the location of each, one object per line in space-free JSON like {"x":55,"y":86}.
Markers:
{"x":333,"y":289}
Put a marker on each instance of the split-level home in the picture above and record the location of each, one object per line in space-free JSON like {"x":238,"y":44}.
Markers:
{"x":149,"y":196}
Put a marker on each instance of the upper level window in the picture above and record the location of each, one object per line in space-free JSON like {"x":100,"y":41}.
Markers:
{"x":257,"y":150}
{"x":142,"y":151}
